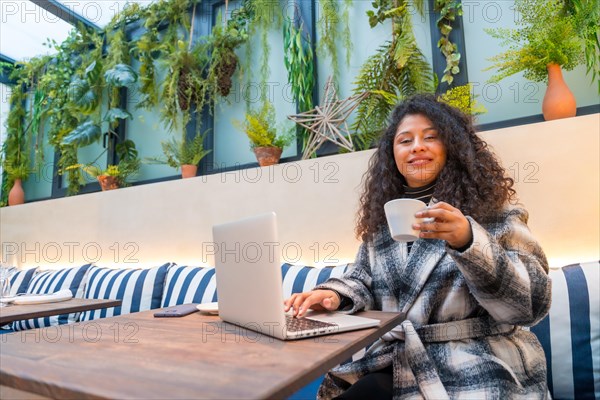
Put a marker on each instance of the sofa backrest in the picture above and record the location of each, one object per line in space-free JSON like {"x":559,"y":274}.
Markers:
{"x":570,"y":334}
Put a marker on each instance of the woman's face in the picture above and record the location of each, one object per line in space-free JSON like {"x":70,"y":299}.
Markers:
{"x":419,"y":153}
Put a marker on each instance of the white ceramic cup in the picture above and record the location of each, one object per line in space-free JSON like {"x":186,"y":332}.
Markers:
{"x":400,"y":214}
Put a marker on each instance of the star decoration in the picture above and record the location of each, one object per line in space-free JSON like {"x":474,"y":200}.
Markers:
{"x":328,"y":121}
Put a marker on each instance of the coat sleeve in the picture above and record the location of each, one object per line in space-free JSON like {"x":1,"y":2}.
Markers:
{"x":356,"y":283}
{"x":506,"y":270}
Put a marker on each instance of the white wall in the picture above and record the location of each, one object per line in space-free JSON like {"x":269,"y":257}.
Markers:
{"x":558,"y":181}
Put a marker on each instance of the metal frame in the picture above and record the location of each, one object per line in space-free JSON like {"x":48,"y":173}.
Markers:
{"x":64,"y":13}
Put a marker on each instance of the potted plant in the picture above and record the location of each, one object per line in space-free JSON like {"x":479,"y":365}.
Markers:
{"x":114,"y":176}
{"x":184,"y":154}
{"x":260,"y":128}
{"x":15,"y":149}
{"x":552,"y":35}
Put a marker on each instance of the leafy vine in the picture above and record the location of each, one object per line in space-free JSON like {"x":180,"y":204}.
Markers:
{"x":449,"y":10}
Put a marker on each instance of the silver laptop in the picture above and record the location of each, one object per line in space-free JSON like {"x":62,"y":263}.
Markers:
{"x":248,"y":272}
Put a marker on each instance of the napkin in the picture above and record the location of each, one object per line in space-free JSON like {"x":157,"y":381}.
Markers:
{"x":61,"y":295}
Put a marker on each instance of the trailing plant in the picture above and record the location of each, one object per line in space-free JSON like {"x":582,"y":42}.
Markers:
{"x":182,"y":152}
{"x":299,"y":62}
{"x":397,"y":69}
{"x":184,"y":84}
{"x":546,"y":34}
{"x":261,"y":129}
{"x":226,"y":37}
{"x":263,"y":15}
{"x":333,"y":25}
{"x":16,"y":146}
{"x":462,"y":98}
{"x":448,"y":10}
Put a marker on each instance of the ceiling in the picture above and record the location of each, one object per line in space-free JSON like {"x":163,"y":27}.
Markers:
{"x":25,"y":25}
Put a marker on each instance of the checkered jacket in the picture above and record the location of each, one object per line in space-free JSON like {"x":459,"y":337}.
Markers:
{"x":502,"y":278}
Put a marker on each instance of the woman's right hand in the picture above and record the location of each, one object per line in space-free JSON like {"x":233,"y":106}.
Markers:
{"x":316,"y":299}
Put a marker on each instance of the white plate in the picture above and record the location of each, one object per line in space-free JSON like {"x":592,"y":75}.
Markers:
{"x":209,"y":308}
{"x":8,"y":299}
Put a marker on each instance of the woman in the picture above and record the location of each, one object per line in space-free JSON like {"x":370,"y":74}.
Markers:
{"x":467,"y":285}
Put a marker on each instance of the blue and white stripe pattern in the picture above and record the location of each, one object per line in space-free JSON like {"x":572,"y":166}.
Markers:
{"x":139,"y":289}
{"x":48,"y":282}
{"x":298,"y":279}
{"x":573,"y":365}
{"x":189,"y":285}
{"x":19,"y":280}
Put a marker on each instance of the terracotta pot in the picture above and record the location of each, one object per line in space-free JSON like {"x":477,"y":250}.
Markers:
{"x":267,"y":155}
{"x":108,"y":182}
{"x":559,"y":101}
{"x":188,"y":170}
{"x":17,"y":194}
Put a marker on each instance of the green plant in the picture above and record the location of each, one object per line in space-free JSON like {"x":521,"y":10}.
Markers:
{"x":182,"y":152}
{"x":462,"y":98}
{"x":15,"y":149}
{"x":261,"y":129}
{"x":398,"y":69}
{"x":449,"y":10}
{"x":546,"y":34}
{"x":332,"y":24}
{"x":223,"y":41}
{"x":128,"y":165}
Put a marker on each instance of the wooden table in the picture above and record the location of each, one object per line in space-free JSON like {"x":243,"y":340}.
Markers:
{"x":194,"y":357}
{"x":17,"y":312}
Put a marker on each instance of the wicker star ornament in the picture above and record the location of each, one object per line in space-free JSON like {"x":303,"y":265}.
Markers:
{"x":328,"y":121}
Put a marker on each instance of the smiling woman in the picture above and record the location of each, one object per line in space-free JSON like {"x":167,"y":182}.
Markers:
{"x":419,"y":153}
{"x":483,"y":275}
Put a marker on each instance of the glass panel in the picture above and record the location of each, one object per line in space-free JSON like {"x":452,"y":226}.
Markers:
{"x":365,"y":41}
{"x":100,"y":12}
{"x":514,"y":96}
{"x":39,"y":184}
{"x":147,"y":131}
{"x":232,"y":146}
{"x":24,"y":28}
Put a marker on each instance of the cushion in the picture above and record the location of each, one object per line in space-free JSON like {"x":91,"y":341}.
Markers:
{"x":189,"y":285}
{"x":46,"y":282}
{"x":19,"y":280}
{"x":298,"y":279}
{"x":139,"y":289}
{"x":570,"y":334}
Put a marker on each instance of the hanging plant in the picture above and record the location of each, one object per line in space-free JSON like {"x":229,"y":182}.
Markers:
{"x":333,"y":25}
{"x":225,"y":38}
{"x":397,"y":69}
{"x":448,"y":10}
{"x":298,"y":59}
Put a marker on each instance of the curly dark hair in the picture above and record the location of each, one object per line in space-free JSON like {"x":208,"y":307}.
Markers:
{"x":472,"y":179}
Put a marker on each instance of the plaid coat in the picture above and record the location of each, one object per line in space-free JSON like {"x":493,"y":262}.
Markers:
{"x":502,"y":278}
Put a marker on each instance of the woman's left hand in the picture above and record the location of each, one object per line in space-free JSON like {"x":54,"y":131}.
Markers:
{"x":448,"y":224}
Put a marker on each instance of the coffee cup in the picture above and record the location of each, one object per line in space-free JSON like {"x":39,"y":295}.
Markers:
{"x":400,"y":214}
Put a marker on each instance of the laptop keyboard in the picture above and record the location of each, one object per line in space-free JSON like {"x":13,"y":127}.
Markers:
{"x":305,"y":324}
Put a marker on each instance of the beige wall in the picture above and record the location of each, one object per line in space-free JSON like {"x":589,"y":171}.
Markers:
{"x":556,"y":165}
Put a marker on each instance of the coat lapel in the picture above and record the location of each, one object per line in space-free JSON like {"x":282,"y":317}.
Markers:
{"x":407,"y":277}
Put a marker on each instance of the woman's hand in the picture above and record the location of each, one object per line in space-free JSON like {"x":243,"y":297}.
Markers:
{"x":448,"y":224}
{"x":315,"y":299}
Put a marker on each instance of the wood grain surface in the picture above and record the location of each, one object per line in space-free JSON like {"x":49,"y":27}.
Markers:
{"x":193,"y":357}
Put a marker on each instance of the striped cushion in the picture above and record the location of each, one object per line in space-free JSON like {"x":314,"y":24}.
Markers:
{"x":19,"y":280}
{"x":139,"y":289}
{"x":189,"y":285}
{"x":297,"y":279}
{"x":570,"y":334}
{"x":50,"y":282}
